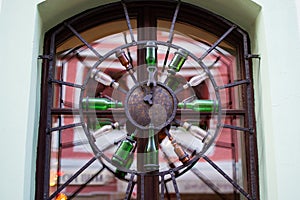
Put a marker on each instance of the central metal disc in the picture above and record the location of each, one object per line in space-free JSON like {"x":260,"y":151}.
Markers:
{"x":145,"y":105}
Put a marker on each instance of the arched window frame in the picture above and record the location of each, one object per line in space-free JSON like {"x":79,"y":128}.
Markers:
{"x":188,"y":14}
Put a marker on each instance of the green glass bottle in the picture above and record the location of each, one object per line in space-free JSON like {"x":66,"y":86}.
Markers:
{"x":100,"y":103}
{"x":129,"y":161}
{"x":178,"y":60}
{"x":151,"y":53}
{"x":174,"y":67}
{"x":151,"y":62}
{"x":100,"y":122}
{"x":151,"y":152}
{"x":124,"y":151}
{"x":200,"y":105}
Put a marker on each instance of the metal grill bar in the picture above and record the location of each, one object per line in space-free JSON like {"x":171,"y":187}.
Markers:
{"x":128,"y":21}
{"x":186,"y":112}
{"x":85,"y":184}
{"x":207,"y":182}
{"x":130,"y":187}
{"x":83,"y":40}
{"x":250,"y":113}
{"x":236,"y":127}
{"x":232,"y":182}
{"x":122,"y":90}
{"x":224,"y":145}
{"x":171,"y":34}
{"x":217,"y":42}
{"x":236,"y":83}
{"x":162,"y":188}
{"x":167,"y":192}
{"x":66,"y":83}
{"x":127,"y":49}
{"x":72,"y":144}
{"x":175,"y":185}
{"x":65,"y":127}
{"x":72,"y":178}
{"x":142,"y":186}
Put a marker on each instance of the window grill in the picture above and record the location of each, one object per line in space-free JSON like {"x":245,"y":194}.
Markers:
{"x":145,"y":26}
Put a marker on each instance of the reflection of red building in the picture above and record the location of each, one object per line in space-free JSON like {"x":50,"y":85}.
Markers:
{"x":225,"y":153}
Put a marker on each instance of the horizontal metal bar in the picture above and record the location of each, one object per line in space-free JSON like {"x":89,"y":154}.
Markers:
{"x":236,"y":83}
{"x":224,"y":145}
{"x":65,"y":127}
{"x":230,"y":180}
{"x":72,"y":178}
{"x":251,"y":56}
{"x":236,"y":127}
{"x":120,"y":111}
{"x":47,"y":57}
{"x":66,"y":83}
{"x":72,"y":144}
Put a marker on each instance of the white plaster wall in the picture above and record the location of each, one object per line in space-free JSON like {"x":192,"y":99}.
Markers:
{"x":19,"y":93}
{"x":278,"y":42}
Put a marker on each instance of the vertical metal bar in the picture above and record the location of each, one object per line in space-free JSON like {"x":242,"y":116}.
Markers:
{"x":59,"y":153}
{"x":59,"y":132}
{"x":241,"y":190}
{"x":171,"y":34}
{"x":128,"y":21}
{"x":217,"y":42}
{"x":233,"y":157}
{"x":142,"y":186}
{"x":175,"y":185}
{"x":147,"y":185}
{"x":167,"y":192}
{"x":250,"y":110}
{"x":49,"y":120}
{"x":162,"y":187}
{"x":130,"y":187}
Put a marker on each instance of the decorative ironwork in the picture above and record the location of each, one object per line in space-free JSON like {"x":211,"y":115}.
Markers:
{"x":150,"y":106}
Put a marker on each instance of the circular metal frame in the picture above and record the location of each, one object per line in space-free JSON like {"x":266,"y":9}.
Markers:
{"x":98,"y":153}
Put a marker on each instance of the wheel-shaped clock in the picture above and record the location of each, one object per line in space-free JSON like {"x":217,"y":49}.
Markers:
{"x":148,"y":108}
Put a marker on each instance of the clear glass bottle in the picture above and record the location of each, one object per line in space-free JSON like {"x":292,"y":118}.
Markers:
{"x":198,"y":132}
